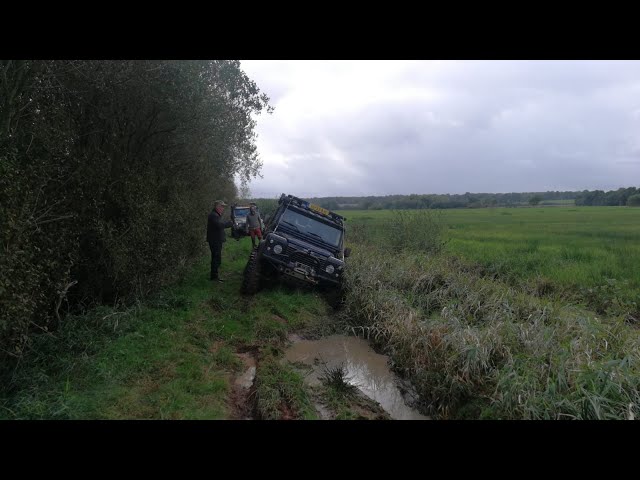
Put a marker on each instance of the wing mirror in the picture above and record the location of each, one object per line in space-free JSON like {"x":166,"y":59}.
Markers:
{"x":347,"y":252}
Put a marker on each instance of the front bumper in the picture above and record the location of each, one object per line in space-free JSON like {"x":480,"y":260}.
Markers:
{"x":310,"y":275}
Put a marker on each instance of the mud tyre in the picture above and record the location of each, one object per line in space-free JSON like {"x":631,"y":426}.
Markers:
{"x":251,"y":278}
{"x":335,"y":298}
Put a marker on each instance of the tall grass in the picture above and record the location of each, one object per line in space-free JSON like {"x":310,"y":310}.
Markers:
{"x":280,"y":393}
{"x":556,"y":251}
{"x":415,"y":230}
{"x":477,"y":347}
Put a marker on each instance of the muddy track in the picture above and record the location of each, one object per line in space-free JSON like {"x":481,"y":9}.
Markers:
{"x":346,"y":372}
{"x":243,"y":391}
{"x":364,"y":403}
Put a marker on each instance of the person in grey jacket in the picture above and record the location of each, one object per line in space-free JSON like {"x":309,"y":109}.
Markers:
{"x":216,"y":236}
{"x":254,"y":225}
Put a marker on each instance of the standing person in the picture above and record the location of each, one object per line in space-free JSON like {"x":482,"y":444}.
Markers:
{"x":254,"y":224}
{"x":216,"y":236}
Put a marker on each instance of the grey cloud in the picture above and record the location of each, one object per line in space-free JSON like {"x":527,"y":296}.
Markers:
{"x":498,"y":126}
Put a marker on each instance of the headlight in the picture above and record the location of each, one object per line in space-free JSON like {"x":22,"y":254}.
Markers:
{"x":277,"y":249}
{"x":330,"y":269}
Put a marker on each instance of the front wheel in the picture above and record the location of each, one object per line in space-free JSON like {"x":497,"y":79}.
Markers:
{"x":335,"y":297}
{"x":251,"y":276}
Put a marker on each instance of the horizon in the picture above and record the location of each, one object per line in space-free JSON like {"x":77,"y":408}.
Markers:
{"x":465,"y":193}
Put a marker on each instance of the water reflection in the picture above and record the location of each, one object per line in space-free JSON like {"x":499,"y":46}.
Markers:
{"x":365,"y":369}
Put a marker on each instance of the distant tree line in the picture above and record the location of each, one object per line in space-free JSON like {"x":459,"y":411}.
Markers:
{"x":620,"y":197}
{"x":107,"y":172}
{"x":477,"y":200}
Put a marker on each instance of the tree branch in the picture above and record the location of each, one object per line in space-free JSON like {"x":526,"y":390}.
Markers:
{"x":61,"y":297}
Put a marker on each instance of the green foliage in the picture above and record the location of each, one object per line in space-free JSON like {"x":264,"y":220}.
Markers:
{"x":267,"y":206}
{"x":477,"y":200}
{"x":172,"y":356}
{"x":107,"y":172}
{"x":535,"y":200}
{"x":613,"y":297}
{"x":633,"y":201}
{"x":611,"y":198}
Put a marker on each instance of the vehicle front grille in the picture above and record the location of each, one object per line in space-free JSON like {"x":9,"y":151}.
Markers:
{"x":304,"y":258}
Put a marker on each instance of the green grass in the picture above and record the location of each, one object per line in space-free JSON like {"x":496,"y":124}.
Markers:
{"x":355,"y":406}
{"x":170,"y":358}
{"x":470,"y":332}
{"x":336,"y":379}
{"x":572,"y":248}
{"x":485,"y":327}
{"x":281,"y":394}
{"x":475,"y":346}
{"x":563,"y":203}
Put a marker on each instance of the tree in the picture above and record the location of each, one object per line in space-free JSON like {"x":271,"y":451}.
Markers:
{"x":633,"y":201}
{"x":535,"y":200}
{"x":244,"y":192}
{"x":107,"y":172}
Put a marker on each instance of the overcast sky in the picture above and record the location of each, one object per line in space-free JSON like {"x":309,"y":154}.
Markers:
{"x":351,"y":128}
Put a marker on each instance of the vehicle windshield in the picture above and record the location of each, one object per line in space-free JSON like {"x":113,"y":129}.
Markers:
{"x":241,"y":212}
{"x":309,"y":226}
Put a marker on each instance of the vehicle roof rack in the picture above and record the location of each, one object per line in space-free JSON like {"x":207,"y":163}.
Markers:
{"x":299,"y":202}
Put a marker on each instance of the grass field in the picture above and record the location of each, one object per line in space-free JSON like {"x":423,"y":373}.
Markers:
{"x":564,"y":203}
{"x":524,"y":313}
{"x":572,"y":248}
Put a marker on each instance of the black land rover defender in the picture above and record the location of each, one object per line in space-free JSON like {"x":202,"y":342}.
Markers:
{"x":239,"y":218}
{"x":302,"y":243}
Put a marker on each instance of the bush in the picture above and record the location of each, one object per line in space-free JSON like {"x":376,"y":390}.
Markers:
{"x":107,"y":172}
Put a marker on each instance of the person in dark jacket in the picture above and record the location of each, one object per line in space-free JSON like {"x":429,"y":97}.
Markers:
{"x":216,"y":236}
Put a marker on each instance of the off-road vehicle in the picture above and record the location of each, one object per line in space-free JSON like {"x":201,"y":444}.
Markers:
{"x":303,"y":244}
{"x":239,"y":214}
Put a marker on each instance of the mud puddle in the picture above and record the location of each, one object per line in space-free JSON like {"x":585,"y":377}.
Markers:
{"x":365,"y":369}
